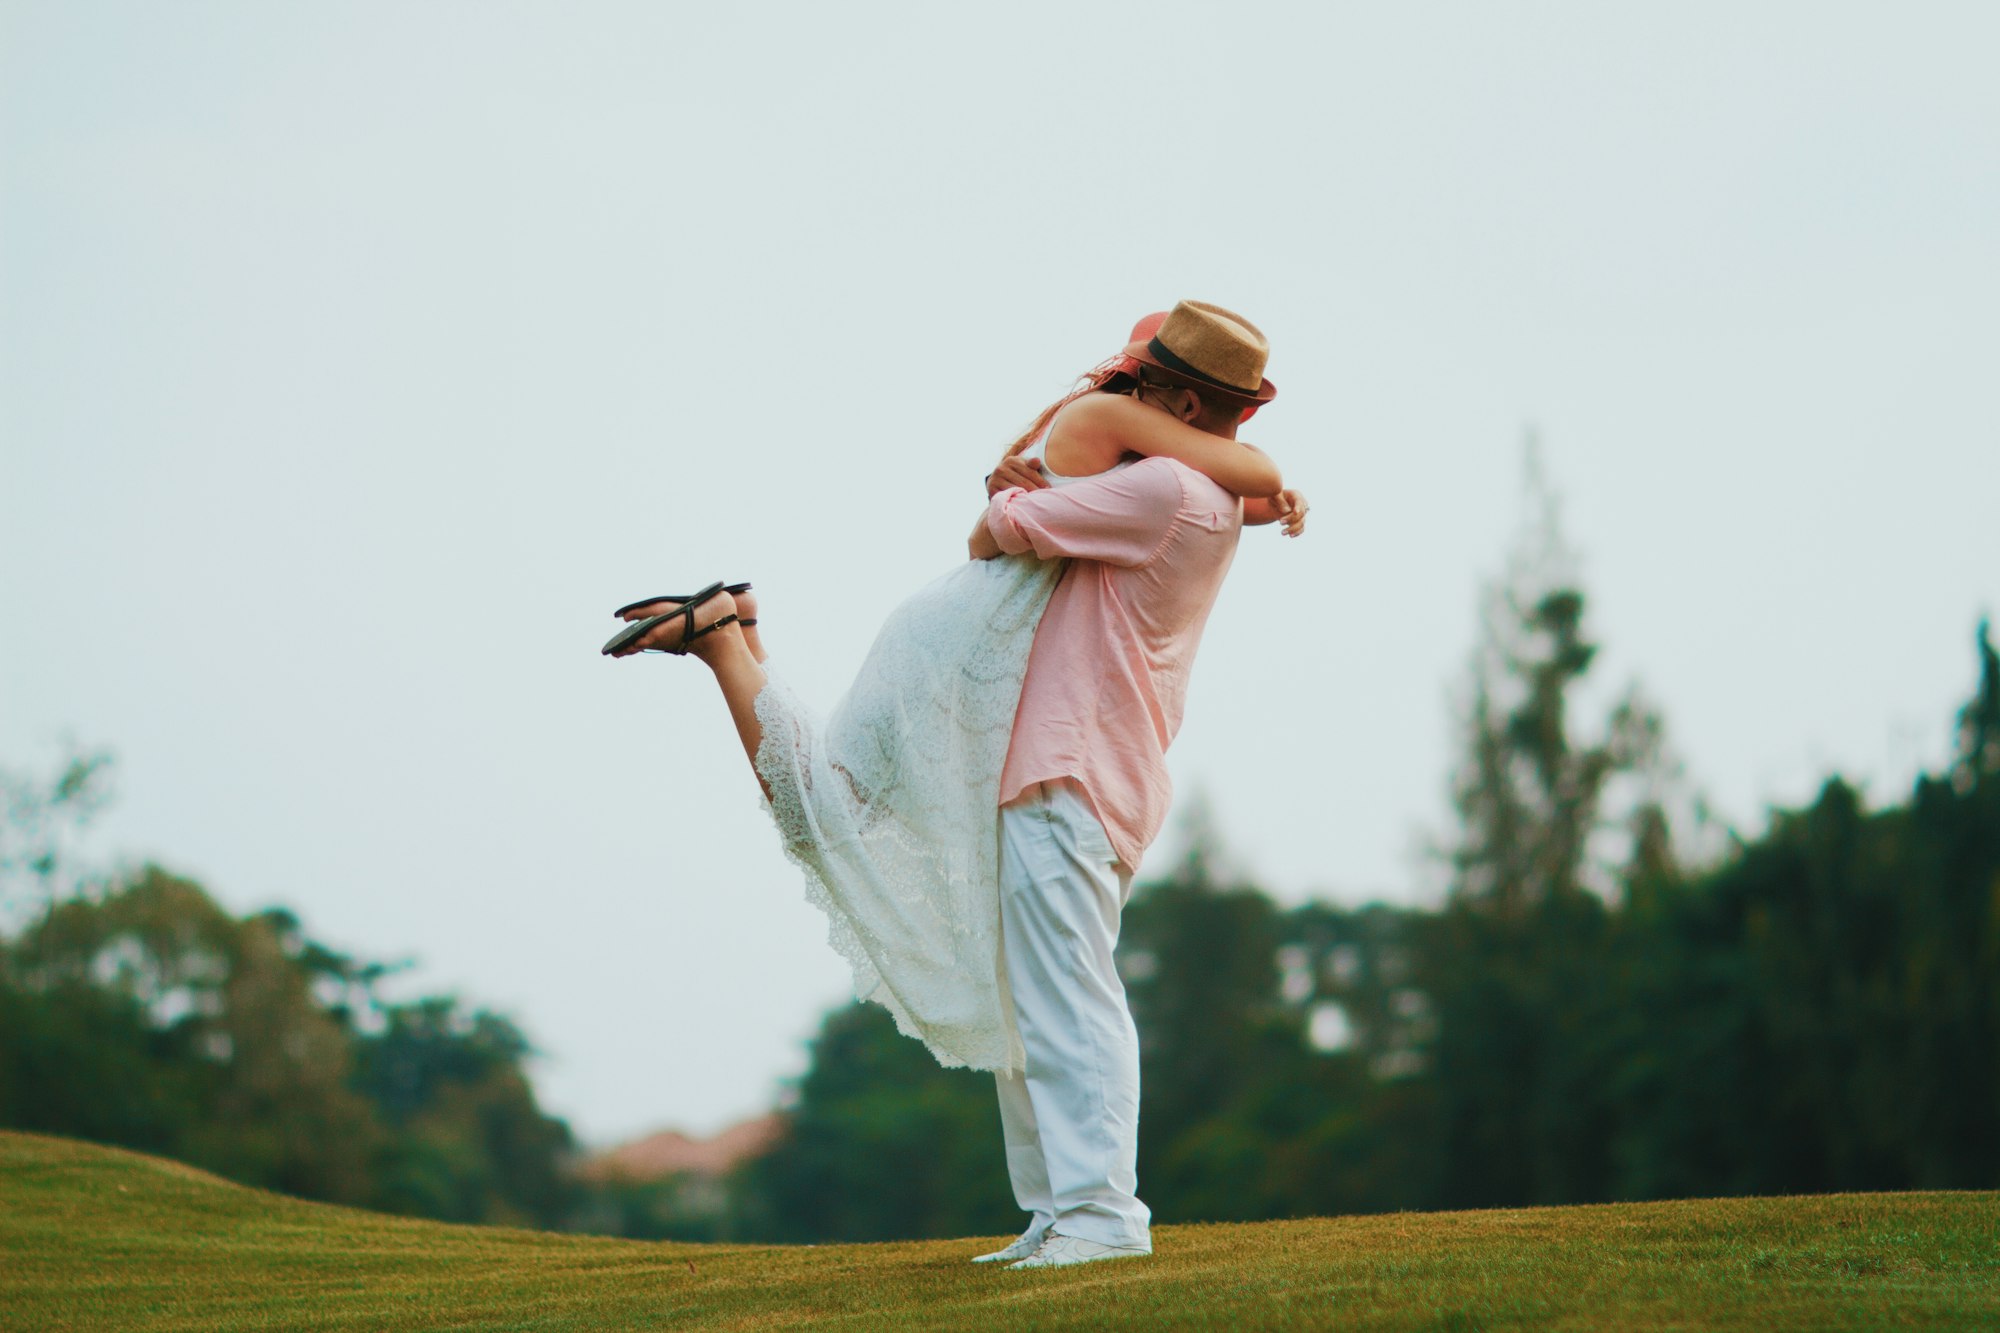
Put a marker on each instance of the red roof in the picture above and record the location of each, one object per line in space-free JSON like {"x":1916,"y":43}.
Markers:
{"x":671,"y":1152}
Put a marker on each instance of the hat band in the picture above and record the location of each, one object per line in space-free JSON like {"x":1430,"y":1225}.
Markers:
{"x":1168,"y":361}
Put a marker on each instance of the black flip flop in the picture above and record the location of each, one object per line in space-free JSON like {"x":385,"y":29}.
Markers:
{"x":638,"y":629}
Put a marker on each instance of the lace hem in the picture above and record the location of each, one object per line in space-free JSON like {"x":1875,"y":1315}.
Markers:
{"x":890,"y":810}
{"x":788,"y":728}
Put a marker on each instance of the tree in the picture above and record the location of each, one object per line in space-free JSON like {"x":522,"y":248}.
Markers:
{"x":467,"y":1142}
{"x":142,"y":1013}
{"x":40,"y":820}
{"x":1514,"y":964}
{"x":1821,"y":1009}
{"x":236,"y":1019}
{"x":1530,"y":792}
{"x":1199,"y":960}
{"x":881,"y":1144}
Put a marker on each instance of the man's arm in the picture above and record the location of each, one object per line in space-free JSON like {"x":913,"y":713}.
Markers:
{"x":1117,"y":517}
{"x":1013,"y":471}
{"x":981,"y":545}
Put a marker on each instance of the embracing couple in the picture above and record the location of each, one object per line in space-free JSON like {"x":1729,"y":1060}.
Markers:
{"x":970,"y":815}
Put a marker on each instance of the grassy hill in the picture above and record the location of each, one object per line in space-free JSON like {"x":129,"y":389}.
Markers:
{"x":97,"y":1238}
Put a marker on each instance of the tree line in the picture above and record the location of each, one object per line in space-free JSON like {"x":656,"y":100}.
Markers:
{"x":1603,"y":1005}
{"x":1609,"y":999}
{"x":135,"y":1010}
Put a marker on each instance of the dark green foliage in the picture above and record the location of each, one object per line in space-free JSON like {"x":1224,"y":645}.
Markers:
{"x":467,"y":1142}
{"x":1224,"y":1071}
{"x":81,"y":1060}
{"x":1818,"y":1012}
{"x":145,"y":1015}
{"x":883,"y":1145}
{"x":1584,"y":1018}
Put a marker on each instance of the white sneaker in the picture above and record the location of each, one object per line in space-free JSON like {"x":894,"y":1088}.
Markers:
{"x":1026,"y":1244}
{"x":1058,"y":1250}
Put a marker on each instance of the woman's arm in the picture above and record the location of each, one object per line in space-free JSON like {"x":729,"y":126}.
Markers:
{"x":1109,"y":421}
{"x":1287,"y":507}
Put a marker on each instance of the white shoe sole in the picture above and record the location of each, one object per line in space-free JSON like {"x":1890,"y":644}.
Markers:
{"x":1020,"y":1249}
{"x":1070,"y":1258}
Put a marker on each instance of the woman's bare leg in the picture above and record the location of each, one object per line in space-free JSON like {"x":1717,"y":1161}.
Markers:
{"x":726,"y":652}
{"x":746,"y":608}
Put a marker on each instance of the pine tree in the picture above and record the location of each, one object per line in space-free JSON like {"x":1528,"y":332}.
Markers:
{"x":1530,"y":793}
{"x":1515,"y":962}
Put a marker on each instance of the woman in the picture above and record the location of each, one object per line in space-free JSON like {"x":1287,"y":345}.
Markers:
{"x":890,"y":809}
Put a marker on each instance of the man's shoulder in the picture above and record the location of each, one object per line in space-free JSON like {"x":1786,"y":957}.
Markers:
{"x":1167,"y":472}
{"x":1195,"y":490}
{"x":1160,"y":481}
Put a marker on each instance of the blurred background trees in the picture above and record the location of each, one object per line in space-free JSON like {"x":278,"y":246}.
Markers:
{"x":1595,"y":1009}
{"x":136,"y":1011}
{"x":1591,"y":1013}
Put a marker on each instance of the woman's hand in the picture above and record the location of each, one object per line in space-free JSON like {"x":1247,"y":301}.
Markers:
{"x":1014,"y":470}
{"x":1286,"y":507}
{"x":1290,"y":507}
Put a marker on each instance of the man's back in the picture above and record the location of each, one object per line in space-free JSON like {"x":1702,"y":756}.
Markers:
{"x":1107,"y":680}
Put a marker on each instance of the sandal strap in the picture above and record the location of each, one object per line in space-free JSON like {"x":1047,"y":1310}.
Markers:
{"x":729,"y":619}
{"x":686,"y":611}
{"x":732,"y":589}
{"x":681,"y":649}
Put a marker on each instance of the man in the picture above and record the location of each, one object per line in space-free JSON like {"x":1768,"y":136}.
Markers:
{"x":1085,"y":788}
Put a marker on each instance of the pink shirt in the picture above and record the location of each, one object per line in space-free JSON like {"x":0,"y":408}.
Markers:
{"x":1108,"y":673}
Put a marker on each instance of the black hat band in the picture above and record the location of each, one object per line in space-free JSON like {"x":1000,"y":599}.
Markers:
{"x":1169,"y":361}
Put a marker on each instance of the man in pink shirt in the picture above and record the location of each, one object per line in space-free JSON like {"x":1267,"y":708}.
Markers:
{"x":1085,"y":788}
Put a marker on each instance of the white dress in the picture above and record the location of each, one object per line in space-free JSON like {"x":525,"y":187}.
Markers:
{"x":891,"y":807}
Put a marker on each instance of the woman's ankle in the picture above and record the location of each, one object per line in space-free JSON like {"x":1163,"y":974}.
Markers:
{"x":746,"y":611}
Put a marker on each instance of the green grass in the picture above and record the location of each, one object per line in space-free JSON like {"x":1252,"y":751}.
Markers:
{"x":98,"y":1238}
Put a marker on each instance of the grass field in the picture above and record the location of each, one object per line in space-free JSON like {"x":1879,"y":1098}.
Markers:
{"x":97,"y":1238}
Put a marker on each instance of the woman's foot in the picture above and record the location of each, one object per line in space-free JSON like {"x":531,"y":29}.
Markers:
{"x":715,"y":621}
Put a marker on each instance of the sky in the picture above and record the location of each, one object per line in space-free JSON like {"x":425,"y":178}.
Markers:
{"x":356,"y":360}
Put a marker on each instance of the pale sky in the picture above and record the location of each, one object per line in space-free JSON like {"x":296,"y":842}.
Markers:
{"x":356,"y":360}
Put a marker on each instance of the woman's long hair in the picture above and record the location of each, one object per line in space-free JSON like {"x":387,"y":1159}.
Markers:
{"x":1117,"y":375}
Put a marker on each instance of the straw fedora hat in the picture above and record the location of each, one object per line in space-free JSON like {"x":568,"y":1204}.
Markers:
{"x":1209,"y":345}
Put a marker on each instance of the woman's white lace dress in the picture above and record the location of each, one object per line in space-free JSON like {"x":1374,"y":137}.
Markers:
{"x":891,"y":807}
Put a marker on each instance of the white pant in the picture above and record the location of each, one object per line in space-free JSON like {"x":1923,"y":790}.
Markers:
{"x":1072,"y":1124}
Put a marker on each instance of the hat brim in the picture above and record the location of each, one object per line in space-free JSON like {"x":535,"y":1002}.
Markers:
{"x":1143,"y":351}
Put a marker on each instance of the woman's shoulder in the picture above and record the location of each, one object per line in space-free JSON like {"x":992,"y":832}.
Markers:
{"x":1079,"y":442}
{"x":1094,"y":411}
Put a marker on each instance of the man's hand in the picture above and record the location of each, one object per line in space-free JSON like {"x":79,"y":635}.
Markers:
{"x":1025,"y":473}
{"x":982,"y":545}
